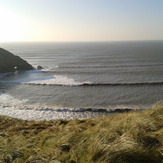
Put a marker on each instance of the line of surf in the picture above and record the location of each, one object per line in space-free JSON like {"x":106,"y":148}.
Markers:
{"x":87,"y":84}
{"x":84,"y":84}
{"x":117,"y":109}
{"x":11,"y":106}
{"x":50,"y":69}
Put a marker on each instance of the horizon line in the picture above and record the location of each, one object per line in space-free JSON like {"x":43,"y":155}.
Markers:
{"x":77,"y":41}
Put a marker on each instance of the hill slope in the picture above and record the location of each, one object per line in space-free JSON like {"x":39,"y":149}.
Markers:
{"x":9,"y":62}
{"x":120,"y":138}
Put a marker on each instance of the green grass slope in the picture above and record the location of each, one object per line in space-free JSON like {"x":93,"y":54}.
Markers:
{"x":121,"y":138}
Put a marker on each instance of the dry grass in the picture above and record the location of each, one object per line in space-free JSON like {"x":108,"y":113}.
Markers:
{"x":121,"y":138}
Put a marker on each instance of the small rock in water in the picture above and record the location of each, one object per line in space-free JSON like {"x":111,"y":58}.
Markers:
{"x":39,"y":67}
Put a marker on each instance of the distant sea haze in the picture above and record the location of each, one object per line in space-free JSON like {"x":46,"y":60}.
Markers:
{"x":80,"y":76}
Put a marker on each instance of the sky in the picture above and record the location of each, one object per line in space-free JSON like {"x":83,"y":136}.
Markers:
{"x":80,"y":20}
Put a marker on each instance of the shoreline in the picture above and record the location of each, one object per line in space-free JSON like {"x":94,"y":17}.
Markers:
{"x":46,"y":113}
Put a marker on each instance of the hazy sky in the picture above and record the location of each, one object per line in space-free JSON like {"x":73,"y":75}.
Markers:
{"x":81,"y":20}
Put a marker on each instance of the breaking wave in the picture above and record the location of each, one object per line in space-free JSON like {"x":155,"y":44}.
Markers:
{"x":51,"y":69}
{"x":54,"y":80}
{"x":8,"y":100}
{"x":10,"y":106}
{"x":62,"y":81}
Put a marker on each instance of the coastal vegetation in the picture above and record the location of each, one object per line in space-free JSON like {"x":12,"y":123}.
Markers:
{"x":120,"y":138}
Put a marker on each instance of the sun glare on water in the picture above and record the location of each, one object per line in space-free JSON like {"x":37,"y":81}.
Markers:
{"x":11,"y":27}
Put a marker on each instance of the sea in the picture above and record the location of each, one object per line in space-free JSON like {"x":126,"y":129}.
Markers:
{"x":82,"y":79}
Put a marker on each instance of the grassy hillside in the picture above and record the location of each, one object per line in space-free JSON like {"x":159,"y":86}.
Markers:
{"x":121,"y":138}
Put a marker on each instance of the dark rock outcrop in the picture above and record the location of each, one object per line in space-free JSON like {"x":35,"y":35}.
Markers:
{"x":39,"y":68}
{"x":9,"y":62}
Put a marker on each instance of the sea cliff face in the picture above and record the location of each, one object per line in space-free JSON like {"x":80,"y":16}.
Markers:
{"x":9,"y":62}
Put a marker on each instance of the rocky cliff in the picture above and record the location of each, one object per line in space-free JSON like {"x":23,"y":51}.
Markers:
{"x":9,"y":62}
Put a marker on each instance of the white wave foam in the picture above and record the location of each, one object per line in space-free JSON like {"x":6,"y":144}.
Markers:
{"x":54,"y":80}
{"x":10,"y":106}
{"x":45,"y":113}
{"x":39,"y":115}
{"x":8,"y":100}
{"x":49,"y":69}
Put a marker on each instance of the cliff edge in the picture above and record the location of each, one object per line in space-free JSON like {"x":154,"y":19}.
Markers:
{"x":9,"y":62}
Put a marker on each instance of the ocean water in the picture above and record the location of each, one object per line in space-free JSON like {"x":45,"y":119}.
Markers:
{"x":82,"y":80}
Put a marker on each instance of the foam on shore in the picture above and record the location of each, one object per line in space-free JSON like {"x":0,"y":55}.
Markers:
{"x":10,"y":106}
